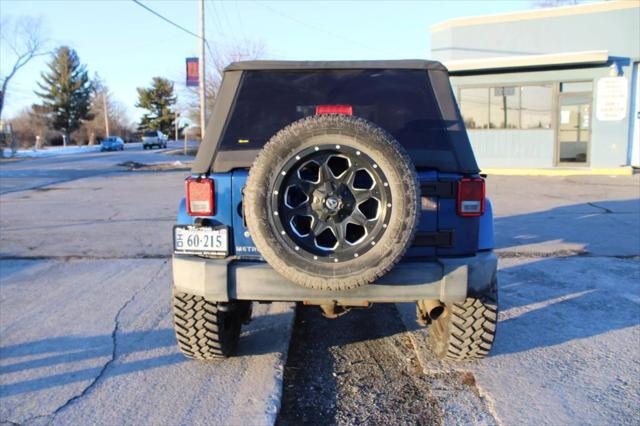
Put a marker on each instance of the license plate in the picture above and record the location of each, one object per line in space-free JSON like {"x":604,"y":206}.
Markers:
{"x":200,"y":240}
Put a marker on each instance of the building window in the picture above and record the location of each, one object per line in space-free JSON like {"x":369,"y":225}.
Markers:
{"x":504,"y":108}
{"x":507,"y":107}
{"x":535,"y":107}
{"x":474,"y":104}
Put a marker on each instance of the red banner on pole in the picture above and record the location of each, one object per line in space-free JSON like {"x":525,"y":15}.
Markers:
{"x":193,"y":74}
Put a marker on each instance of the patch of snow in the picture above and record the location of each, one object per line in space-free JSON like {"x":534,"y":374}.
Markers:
{"x":50,"y":151}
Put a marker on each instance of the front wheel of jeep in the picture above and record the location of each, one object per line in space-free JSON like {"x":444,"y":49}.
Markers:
{"x":203,"y":329}
{"x":467,"y":330}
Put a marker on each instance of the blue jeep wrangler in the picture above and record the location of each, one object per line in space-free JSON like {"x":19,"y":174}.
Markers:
{"x":337,"y":184}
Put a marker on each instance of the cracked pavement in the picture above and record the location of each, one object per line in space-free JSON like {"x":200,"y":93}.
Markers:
{"x":86,"y":335}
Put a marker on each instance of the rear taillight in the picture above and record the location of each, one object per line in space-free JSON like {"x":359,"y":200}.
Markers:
{"x":334,"y":109}
{"x":200,"y":197}
{"x":471,"y":197}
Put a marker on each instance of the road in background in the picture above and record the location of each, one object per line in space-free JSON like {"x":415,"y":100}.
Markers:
{"x":86,"y":329}
{"x":21,"y":174}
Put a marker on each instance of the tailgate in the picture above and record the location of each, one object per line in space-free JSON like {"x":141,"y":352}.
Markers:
{"x":442,"y":232}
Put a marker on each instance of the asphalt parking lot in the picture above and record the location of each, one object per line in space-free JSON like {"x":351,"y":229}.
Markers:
{"x":86,"y":334}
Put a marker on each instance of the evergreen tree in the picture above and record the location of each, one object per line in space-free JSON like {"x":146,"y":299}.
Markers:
{"x":158,"y":100}
{"x":65,"y":91}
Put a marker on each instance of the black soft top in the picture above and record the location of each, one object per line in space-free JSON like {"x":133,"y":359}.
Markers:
{"x":435,"y":140}
{"x":407,"y":64}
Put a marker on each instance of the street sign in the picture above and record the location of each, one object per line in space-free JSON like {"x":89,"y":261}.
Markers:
{"x":193,"y":77}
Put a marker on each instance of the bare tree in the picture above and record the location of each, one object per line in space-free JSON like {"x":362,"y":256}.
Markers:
{"x":23,"y":38}
{"x":244,"y":51}
{"x":216,"y":63}
{"x":29,"y":125}
{"x":120,"y":123}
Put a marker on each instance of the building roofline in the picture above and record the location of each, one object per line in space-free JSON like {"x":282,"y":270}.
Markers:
{"x":535,"y":14}
{"x":596,"y":57}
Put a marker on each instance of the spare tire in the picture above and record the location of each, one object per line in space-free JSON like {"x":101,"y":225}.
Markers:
{"x":332,"y":202}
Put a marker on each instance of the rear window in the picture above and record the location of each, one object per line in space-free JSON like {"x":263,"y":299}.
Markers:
{"x":151,"y":134}
{"x":400,"y":101}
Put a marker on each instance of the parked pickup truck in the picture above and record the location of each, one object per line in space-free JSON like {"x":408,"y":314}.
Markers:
{"x":152,"y":138}
{"x":336,"y":184}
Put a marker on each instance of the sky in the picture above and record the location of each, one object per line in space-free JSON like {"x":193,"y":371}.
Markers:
{"x":127,"y":45}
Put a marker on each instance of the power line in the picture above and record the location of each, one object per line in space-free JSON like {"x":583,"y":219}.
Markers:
{"x":165,"y":19}
{"x":235,"y":6}
{"x":206,"y":42}
{"x":314,"y":27}
{"x":226,"y":17}
{"x":220,"y":29}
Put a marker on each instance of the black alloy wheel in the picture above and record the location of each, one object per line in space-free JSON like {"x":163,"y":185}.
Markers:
{"x":330,"y":203}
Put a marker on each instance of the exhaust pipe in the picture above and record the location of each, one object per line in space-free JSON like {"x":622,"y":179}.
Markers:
{"x":432,"y":309}
{"x":334,"y":308}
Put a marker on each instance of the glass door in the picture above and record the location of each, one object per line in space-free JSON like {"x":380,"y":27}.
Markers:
{"x":574,"y":128}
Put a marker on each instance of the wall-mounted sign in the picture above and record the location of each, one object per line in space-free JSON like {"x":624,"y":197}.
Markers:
{"x":193,"y":75}
{"x":611,"y":99}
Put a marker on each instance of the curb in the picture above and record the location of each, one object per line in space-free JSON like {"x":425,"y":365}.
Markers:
{"x":618,"y":171}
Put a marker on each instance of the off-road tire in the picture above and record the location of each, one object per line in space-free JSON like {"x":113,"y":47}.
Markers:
{"x":468,"y":329}
{"x":203,"y":331}
{"x":343,"y":132}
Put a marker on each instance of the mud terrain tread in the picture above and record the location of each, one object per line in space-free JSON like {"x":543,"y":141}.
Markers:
{"x":272,"y":153}
{"x":469,"y":329}
{"x":197,"y":324}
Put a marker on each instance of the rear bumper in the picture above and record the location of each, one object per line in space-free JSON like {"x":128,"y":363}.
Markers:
{"x":449,"y":280}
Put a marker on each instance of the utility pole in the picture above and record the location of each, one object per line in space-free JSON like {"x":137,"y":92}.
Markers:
{"x":185,"y":139}
{"x":106,"y":115}
{"x":175,"y":125}
{"x":203,"y":112}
